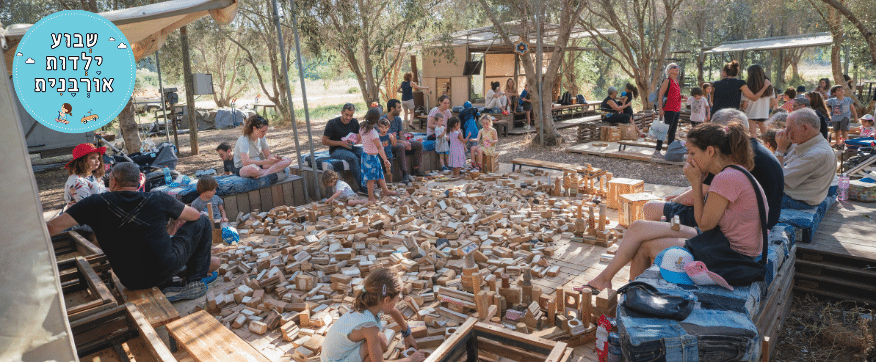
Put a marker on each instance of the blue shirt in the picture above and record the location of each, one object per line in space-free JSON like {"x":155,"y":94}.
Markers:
{"x":387,"y":145}
{"x":525,"y":94}
{"x":407,"y":91}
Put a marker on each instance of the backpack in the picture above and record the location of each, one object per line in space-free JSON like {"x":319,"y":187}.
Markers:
{"x":581,"y":99}
{"x":653,"y":96}
{"x":565,"y":99}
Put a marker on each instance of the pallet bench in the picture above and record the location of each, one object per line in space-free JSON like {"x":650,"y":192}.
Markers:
{"x":288,"y":192}
{"x":205,"y":339}
{"x":520,"y":162}
{"x":116,"y":335}
{"x":806,"y":221}
{"x":573,"y":110}
{"x":152,"y":303}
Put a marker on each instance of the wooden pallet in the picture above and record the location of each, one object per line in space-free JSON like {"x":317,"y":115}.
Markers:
{"x":71,"y":244}
{"x":585,"y":170}
{"x":151,"y":302}
{"x":85,"y":293}
{"x":288,"y":192}
{"x":776,"y":308}
{"x":118,"y":334}
{"x":205,"y":339}
{"x":473,"y":338}
{"x":588,"y":132}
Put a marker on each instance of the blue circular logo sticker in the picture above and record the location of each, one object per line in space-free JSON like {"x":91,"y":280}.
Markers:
{"x":74,"y":71}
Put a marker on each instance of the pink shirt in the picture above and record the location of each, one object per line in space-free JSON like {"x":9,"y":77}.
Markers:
{"x":447,"y":114}
{"x":741,"y":220}
{"x":368,"y":142}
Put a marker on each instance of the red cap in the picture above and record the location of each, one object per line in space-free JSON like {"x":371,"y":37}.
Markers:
{"x":83,"y":150}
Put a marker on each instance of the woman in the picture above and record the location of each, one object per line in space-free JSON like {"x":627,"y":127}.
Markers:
{"x":824,"y":87}
{"x":511,"y":88}
{"x":615,"y":110}
{"x":86,"y":174}
{"x":816,"y":102}
{"x":407,"y":89}
{"x":729,"y":90}
{"x":443,"y":108}
{"x":731,"y":206}
{"x":495,"y":98}
{"x":251,"y":153}
{"x":758,"y":110}
{"x":670,"y":89}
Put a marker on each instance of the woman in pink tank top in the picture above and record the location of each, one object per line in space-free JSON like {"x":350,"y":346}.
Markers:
{"x":670,"y":89}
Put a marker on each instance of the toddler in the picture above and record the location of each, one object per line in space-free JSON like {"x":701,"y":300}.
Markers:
{"x":841,"y":111}
{"x":207,"y":189}
{"x":341,"y":190}
{"x":457,"y":146}
{"x":226,"y":154}
{"x":442,"y":147}
{"x":388,"y":141}
{"x":699,"y":106}
{"x":488,"y":138}
{"x":867,"y":129}
{"x":372,"y":155}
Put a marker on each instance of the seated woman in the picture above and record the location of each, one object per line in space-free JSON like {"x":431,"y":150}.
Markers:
{"x":615,"y":110}
{"x":731,"y":206}
{"x":251,"y":153}
{"x":496,"y":98}
{"x":86,"y":174}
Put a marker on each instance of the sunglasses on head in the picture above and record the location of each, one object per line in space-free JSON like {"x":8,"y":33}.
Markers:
{"x":260,"y":121}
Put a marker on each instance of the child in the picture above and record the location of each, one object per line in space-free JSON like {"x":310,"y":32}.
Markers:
{"x":488,"y":138}
{"x":707,"y":94}
{"x":207,"y":189}
{"x":457,"y":146}
{"x":769,"y":139}
{"x":66,"y":109}
{"x":226,"y":154}
{"x":342,"y":191}
{"x":442,"y":147}
{"x":388,"y":141}
{"x":790,"y":95}
{"x":358,"y":334}
{"x":867,"y":129}
{"x":841,"y":111}
{"x":372,"y":154}
{"x":699,"y":106}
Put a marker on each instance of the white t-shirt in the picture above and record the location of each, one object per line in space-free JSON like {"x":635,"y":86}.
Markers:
{"x":345,"y":189}
{"x":698,"y":108}
{"x":77,"y":188}
{"x":759,"y":109}
{"x":243,"y":146}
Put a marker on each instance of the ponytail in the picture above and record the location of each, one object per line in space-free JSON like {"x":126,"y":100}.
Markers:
{"x":379,"y":284}
{"x":731,"y":141}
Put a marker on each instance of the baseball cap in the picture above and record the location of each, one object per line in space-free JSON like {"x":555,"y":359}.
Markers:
{"x":671,"y":262}
{"x":700,"y":274}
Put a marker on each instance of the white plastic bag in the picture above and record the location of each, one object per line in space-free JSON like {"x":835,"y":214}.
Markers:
{"x":658,"y":130}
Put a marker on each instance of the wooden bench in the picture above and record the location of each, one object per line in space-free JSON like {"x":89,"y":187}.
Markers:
{"x":288,"y":192}
{"x":573,"y":110}
{"x":151,"y":302}
{"x":115,"y":334}
{"x":520,"y":162}
{"x":205,"y":339}
{"x":622,"y":145}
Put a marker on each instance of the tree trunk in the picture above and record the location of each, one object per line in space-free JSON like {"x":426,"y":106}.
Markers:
{"x":190,"y":91}
{"x":128,"y":127}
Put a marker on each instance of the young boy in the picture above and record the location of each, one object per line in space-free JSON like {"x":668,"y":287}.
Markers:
{"x":388,"y":141}
{"x":699,"y":106}
{"x":226,"y":154}
{"x":342,"y":190}
{"x":841,"y":111}
{"x":207,"y":189}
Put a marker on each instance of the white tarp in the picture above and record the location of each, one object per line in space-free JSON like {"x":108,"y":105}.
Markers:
{"x":785,"y":42}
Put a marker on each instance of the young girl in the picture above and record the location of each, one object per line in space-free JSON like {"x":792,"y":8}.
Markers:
{"x":207,"y":189}
{"x":442,"y":147}
{"x":86,"y":174}
{"x":629,"y":94}
{"x":488,"y":138}
{"x":358,"y":335}
{"x":867,"y":129}
{"x":372,"y":155}
{"x":707,"y":94}
{"x":758,"y":110}
{"x":387,"y":140}
{"x":457,"y":146}
{"x":788,"y":97}
{"x":341,"y":190}
{"x":66,"y":110}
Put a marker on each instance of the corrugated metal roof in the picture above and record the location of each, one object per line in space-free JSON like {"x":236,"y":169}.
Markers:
{"x":785,"y":42}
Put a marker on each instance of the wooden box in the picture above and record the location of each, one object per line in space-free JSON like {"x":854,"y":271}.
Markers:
{"x":632,"y":207}
{"x":621,"y":186}
{"x":628,"y":132}
{"x":610,"y":134}
{"x":473,"y":338}
{"x":118,"y":334}
{"x":85,"y":293}
{"x":491,"y":164}
{"x":71,"y":244}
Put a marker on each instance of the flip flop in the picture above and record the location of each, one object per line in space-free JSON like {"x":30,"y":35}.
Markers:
{"x":592,"y":288}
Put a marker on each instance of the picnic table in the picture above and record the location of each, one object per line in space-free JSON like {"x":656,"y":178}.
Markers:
{"x":573,"y":110}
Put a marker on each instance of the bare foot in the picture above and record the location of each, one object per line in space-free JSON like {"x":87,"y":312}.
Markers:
{"x":390,"y":193}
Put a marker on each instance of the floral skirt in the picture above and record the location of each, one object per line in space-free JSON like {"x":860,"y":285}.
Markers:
{"x":371,"y":168}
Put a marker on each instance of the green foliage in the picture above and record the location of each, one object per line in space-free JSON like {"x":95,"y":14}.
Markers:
{"x":353,"y":90}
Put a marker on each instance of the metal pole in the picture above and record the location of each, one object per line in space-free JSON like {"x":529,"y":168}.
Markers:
{"x":539,"y":53}
{"x":161,"y":90}
{"x":289,"y":98}
{"x":303,"y":92}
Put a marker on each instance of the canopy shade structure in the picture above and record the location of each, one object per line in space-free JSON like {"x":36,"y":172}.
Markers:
{"x":146,"y":27}
{"x":784,"y":42}
{"x":480,"y":39}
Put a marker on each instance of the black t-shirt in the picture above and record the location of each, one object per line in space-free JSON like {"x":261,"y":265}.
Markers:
{"x":824,"y":128}
{"x":768,"y":173}
{"x":335,"y":130}
{"x":728,"y":94}
{"x":228,"y":166}
{"x":132,"y":229}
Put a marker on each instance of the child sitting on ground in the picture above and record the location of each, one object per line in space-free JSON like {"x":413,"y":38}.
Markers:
{"x":442,"y":147}
{"x":699,"y":106}
{"x":457,"y":146}
{"x":388,"y":141}
{"x":372,"y":155}
{"x":358,"y":335}
{"x":207,"y":189}
{"x":488,"y":138}
{"x":226,"y":154}
{"x":341,"y":191}
{"x":867,"y":129}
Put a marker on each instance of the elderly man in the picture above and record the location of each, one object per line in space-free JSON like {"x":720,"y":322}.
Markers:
{"x":342,"y":149}
{"x":803,"y":102}
{"x":767,"y":171}
{"x":143,"y":248}
{"x":809,"y":165}
{"x":403,"y":147}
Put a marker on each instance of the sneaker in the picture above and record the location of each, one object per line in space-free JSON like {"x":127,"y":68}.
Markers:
{"x":445,"y":168}
{"x":193,"y":290}
{"x":211,"y":279}
{"x":418,"y":173}
{"x":657,"y":154}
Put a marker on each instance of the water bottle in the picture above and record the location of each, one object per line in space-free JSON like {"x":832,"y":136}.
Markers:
{"x":843,"y":188}
{"x":167,"y":179}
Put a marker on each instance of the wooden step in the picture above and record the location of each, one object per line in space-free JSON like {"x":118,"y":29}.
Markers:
{"x":851,"y":285}
{"x":837,"y":295}
{"x":837,"y":267}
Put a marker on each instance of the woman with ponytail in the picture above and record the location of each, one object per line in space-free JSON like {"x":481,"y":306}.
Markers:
{"x":730,"y":215}
{"x":729,"y":90}
{"x":358,"y":335}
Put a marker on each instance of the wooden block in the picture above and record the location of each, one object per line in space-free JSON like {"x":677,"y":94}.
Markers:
{"x":289,"y":331}
{"x":258,"y":327}
{"x":315,"y":343}
{"x":632,"y":207}
{"x":430,"y":342}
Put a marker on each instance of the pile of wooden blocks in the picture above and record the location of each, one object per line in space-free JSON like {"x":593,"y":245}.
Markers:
{"x":462,"y":251}
{"x":590,"y":131}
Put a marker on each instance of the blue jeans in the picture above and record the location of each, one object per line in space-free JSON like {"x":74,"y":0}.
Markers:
{"x":789,"y":203}
{"x":352,"y":158}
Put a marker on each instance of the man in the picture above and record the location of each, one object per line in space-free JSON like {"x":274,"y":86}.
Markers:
{"x":143,"y":249}
{"x":767,"y":171}
{"x":810,"y":165}
{"x":226,"y":154}
{"x":803,"y":102}
{"x":403,"y":147}
{"x":338,"y":128}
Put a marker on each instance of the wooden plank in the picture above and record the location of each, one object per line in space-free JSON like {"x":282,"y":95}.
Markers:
{"x":243,"y":202}
{"x":151,"y":303}
{"x":288,"y":194}
{"x":96,"y":285}
{"x":230,"y":207}
{"x":298,"y":191}
{"x":463,"y":332}
{"x":156,"y":347}
{"x":826,"y":265}
{"x":205,"y":339}
{"x":267,"y":198}
{"x":522,"y":338}
{"x":276,"y":195}
{"x":255,"y":201}
{"x":838,"y":295}
{"x":516,"y":354}
{"x":84,"y":246}
{"x":845,"y":283}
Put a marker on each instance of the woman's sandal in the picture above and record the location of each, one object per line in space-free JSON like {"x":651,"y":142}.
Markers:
{"x":592,"y":288}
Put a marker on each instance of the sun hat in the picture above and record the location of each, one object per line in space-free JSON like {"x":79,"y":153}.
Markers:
{"x":700,"y":274}
{"x":671,"y":262}
{"x":84,"y":149}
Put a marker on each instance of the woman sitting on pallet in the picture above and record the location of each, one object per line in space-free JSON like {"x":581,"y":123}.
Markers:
{"x":252,"y":157}
{"x":614,"y":110}
{"x":729,"y":217}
